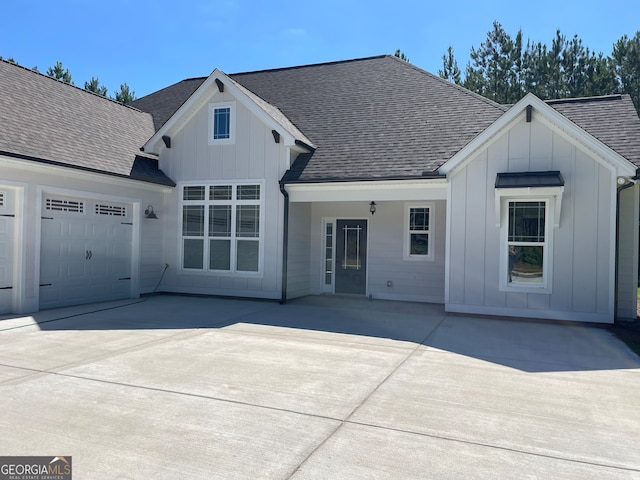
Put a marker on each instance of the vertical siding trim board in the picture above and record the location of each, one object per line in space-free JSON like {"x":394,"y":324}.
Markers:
{"x":18,"y":292}
{"x":618,"y":203}
{"x":447,"y":244}
{"x":285,"y":244}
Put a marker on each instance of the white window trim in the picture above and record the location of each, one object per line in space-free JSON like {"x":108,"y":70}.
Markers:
{"x":406,"y":255}
{"x":232,"y":123}
{"x":551,"y":208}
{"x":233,"y":203}
{"x":328,"y":288}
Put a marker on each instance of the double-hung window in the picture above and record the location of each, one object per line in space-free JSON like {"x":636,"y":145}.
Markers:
{"x":222,"y":228}
{"x":526,"y":243}
{"x":527,"y":210}
{"x":418,"y":235}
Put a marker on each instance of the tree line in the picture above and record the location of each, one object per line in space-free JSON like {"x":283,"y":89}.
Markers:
{"x":504,"y":68}
{"x":57,"y":71}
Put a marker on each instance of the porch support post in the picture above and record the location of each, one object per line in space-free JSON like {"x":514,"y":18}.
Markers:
{"x":285,"y":243}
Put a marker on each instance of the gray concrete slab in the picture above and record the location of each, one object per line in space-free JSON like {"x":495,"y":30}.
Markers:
{"x":119,"y":432}
{"x":361,"y":452}
{"x":323,"y":387}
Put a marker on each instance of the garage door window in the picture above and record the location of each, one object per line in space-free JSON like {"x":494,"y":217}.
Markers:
{"x":222,"y":228}
{"x":61,"y":205}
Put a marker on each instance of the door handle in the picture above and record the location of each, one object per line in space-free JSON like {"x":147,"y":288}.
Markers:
{"x":88,"y":254}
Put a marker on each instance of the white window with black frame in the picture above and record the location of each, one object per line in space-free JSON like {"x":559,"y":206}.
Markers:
{"x":222,"y":228}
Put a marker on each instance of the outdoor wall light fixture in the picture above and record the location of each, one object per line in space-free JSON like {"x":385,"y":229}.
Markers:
{"x":149,"y":213}
{"x":372,"y":207}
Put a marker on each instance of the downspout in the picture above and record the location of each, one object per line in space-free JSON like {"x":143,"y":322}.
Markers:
{"x":629,"y":184}
{"x":285,"y":243}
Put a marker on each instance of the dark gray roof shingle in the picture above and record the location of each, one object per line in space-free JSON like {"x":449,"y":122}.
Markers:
{"x":611,"y":119}
{"x":370,"y":118}
{"x":374,"y":117}
{"x":163,"y":103}
{"x":381,"y":117}
{"x":46,"y":120}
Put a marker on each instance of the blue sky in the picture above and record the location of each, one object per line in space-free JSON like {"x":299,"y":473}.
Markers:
{"x":151,"y":44}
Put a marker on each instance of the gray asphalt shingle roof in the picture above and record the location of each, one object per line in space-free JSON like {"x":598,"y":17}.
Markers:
{"x":43,"y":119}
{"x":611,"y":119}
{"x":381,"y":117}
{"x":369,"y":118}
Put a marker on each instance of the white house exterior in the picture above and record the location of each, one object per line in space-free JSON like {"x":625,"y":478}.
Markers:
{"x":367,"y":177}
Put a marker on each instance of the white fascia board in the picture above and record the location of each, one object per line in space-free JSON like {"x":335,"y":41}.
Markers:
{"x":555,"y":120}
{"x":43,"y":169}
{"x":201,"y":97}
{"x":383,"y":190}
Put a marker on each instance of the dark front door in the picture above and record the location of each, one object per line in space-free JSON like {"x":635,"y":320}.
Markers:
{"x":351,"y":256}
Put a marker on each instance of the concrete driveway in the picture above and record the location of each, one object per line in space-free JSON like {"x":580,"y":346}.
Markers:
{"x":328,"y":388}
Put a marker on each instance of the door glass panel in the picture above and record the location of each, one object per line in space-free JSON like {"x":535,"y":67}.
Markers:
{"x":352,"y":258}
{"x":328,"y":254}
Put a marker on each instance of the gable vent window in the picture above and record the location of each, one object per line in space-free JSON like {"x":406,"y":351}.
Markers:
{"x":1,"y":199}
{"x":59,"y":205}
{"x":113,"y":210}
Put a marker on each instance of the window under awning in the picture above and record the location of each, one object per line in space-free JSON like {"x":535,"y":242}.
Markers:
{"x":548,"y":184}
{"x":529,"y":179}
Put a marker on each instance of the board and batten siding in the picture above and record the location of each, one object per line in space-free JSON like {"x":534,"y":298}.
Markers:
{"x":583,"y":244}
{"x":253,"y":156}
{"x":299,"y":250}
{"x":420,"y":281}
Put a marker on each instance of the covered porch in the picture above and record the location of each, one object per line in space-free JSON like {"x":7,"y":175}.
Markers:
{"x":382,"y":239}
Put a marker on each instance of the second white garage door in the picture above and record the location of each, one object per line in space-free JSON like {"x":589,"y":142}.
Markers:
{"x":86,"y":248}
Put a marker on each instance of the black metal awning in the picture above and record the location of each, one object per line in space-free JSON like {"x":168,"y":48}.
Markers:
{"x":529,"y":179}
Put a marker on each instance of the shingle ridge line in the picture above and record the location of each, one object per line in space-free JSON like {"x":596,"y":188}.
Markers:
{"x":320,"y":64}
{"x":613,"y":96}
{"x":71,"y":85}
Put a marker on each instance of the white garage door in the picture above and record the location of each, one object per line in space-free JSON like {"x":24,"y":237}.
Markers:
{"x":85,"y":251}
{"x":7,"y":221}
